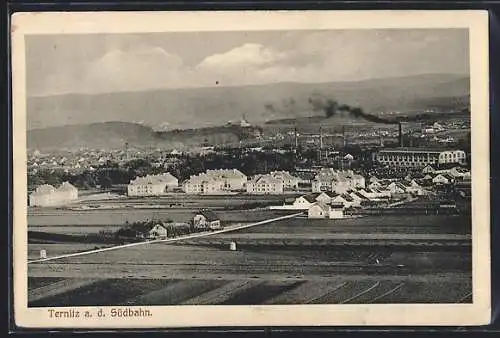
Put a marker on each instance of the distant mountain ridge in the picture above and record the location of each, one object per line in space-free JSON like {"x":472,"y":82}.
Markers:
{"x":201,"y":107}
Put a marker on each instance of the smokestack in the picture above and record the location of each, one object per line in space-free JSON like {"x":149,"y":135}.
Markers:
{"x":400,"y":128}
{"x":296,"y":141}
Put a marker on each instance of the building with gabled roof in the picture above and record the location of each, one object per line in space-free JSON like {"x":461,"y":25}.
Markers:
{"x":318,"y":210}
{"x":339,"y":181}
{"x":443,"y":179}
{"x":265,"y":185}
{"x":206,"y":219}
{"x":152,"y":185}
{"x":216,"y":181}
{"x":305,"y":201}
{"x":290,"y":182}
{"x":326,"y":197}
{"x":46,"y":195}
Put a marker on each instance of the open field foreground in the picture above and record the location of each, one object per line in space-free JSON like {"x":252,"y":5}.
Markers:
{"x":162,"y":274}
{"x":335,"y":290}
{"x":376,"y":259}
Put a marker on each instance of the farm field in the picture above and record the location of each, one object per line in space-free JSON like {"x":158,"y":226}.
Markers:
{"x":253,"y":292}
{"x":177,"y":261}
{"x":119,"y":217}
{"x":390,"y":224}
{"x":74,"y":230}
{"x":265,"y":268}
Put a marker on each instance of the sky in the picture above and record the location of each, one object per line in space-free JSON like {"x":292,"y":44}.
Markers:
{"x":104,"y":63}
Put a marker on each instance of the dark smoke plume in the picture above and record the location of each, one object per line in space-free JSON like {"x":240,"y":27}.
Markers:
{"x":269,"y":107}
{"x":330,"y":108}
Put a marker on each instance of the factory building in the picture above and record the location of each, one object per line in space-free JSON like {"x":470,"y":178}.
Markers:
{"x":419,"y":157}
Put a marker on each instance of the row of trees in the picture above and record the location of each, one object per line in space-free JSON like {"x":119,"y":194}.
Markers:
{"x":111,"y":173}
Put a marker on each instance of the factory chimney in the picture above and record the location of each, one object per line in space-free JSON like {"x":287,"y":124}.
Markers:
{"x":344,"y":143}
{"x":400,"y":129}
{"x":295,"y":138}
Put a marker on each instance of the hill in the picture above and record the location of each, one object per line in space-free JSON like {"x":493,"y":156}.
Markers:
{"x":203,"y":107}
{"x":114,"y":135}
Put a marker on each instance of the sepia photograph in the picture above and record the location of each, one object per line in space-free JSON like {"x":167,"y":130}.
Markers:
{"x":318,"y":169}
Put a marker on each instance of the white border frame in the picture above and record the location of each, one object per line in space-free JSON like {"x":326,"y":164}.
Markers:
{"x":286,"y":315}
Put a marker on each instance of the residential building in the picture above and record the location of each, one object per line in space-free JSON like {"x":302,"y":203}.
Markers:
{"x":412,"y":187}
{"x":290,"y":182}
{"x":375,"y":193}
{"x":357,"y":198}
{"x":304,"y":202}
{"x":233,"y":178}
{"x":336,"y":211}
{"x":338,"y":181}
{"x":396,"y":188}
{"x":428,"y":169}
{"x":206,"y":219}
{"x":218,"y":181}
{"x":326,"y":197}
{"x":419,"y":157}
{"x":265,"y":185}
{"x":318,"y":210}
{"x":152,"y":185}
{"x":146,"y":230}
{"x":47,"y":195}
{"x":375,"y":185}
{"x":443,"y":179}
{"x":345,"y":200}
{"x":156,"y":231}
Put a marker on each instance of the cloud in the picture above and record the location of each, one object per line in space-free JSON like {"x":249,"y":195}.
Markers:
{"x":318,"y":56}
{"x":119,"y":70}
{"x":247,"y":55}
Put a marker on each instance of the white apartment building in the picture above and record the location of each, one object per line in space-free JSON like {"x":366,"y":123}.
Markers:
{"x":46,"y":195}
{"x":219,"y":181}
{"x":152,"y":185}
{"x":265,"y":185}
{"x":338,"y":181}
{"x":290,"y":182}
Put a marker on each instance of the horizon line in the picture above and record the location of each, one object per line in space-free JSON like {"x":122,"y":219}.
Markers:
{"x":465,"y":75}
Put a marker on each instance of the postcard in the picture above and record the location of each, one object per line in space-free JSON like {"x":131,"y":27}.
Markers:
{"x":253,"y":168}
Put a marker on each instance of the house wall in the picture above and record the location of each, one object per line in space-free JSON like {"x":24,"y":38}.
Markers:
{"x":316,"y":211}
{"x":154,"y":189}
{"x":55,"y":198}
{"x":264,"y":188}
{"x":323,"y":198}
{"x":158,"y":231}
{"x":321,"y":185}
{"x":199,"y":221}
{"x":301,"y":203}
{"x":336,"y":213}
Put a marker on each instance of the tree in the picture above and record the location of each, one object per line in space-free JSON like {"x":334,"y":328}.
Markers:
{"x":105,"y":182}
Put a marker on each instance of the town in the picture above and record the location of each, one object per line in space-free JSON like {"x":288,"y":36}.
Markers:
{"x":308,"y":174}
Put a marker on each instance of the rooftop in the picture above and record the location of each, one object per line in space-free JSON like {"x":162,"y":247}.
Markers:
{"x":414,"y":150}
